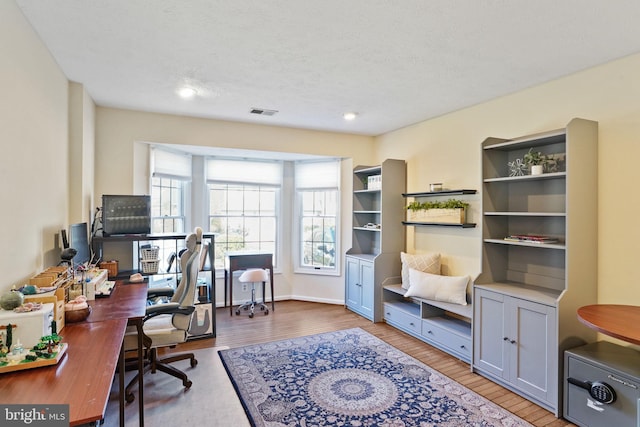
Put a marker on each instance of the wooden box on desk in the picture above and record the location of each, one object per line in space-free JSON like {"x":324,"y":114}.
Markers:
{"x":57,"y":297}
{"x":52,"y":276}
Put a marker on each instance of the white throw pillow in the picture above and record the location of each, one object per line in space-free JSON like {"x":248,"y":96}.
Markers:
{"x":429,"y":263}
{"x":451,"y":289}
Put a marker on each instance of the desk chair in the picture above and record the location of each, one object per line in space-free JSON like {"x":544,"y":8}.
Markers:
{"x":166,"y":325}
{"x":252,"y":276}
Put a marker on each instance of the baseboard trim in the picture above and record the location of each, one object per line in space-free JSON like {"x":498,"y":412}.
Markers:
{"x":292,"y":297}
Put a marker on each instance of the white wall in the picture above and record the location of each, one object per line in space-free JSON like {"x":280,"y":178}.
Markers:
{"x":34,"y":165}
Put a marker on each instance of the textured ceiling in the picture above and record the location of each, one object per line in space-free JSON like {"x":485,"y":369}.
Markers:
{"x":394,"y":62}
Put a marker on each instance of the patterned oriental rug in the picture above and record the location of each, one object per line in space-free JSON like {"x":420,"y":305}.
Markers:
{"x":351,"y":378}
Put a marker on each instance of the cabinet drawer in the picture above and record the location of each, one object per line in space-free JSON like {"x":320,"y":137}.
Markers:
{"x":447,"y":338}
{"x":401,"y":319}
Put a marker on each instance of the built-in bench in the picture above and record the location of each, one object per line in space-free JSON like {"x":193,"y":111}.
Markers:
{"x":444,"y":325}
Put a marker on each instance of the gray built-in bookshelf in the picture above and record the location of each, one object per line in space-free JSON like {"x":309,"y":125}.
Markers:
{"x":526,"y":297}
{"x":377,"y":235}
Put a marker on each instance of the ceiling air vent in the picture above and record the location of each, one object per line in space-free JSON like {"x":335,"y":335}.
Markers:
{"x":263,"y":111}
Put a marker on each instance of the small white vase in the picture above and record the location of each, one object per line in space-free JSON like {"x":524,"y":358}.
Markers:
{"x":536,"y":169}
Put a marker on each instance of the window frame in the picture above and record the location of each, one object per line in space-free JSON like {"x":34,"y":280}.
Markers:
{"x":279,"y":188}
{"x":298,"y":233}
{"x":184,"y":195}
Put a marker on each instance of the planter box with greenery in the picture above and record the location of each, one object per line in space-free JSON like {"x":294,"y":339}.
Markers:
{"x":451,"y":211}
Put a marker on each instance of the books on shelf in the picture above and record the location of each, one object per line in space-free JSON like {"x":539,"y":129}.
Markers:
{"x":531,"y":238}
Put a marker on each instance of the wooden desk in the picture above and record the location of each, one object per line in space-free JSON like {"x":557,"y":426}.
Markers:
{"x":127,"y":301}
{"x":82,"y":379}
{"x":618,"y":321}
{"x":243,"y":260}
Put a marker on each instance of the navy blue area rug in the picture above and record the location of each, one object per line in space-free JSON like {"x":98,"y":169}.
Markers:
{"x":351,"y":378}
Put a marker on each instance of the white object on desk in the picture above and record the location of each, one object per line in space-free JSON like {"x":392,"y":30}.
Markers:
{"x":31,"y":325}
{"x":94,"y":283}
{"x":105,"y":288}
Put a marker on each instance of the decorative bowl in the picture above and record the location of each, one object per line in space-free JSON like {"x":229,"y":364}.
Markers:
{"x":72,"y":316}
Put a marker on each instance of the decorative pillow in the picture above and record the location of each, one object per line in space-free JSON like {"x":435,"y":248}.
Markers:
{"x":451,"y":289}
{"x":429,"y":263}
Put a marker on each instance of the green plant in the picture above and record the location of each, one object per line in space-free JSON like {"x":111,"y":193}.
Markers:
{"x":447,"y":204}
{"x":534,"y":158}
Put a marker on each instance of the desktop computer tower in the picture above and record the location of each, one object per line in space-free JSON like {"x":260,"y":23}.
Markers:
{"x":602,"y":385}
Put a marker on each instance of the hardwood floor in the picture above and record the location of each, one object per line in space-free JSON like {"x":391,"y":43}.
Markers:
{"x":298,"y":318}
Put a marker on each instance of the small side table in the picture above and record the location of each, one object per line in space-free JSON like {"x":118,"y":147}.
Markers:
{"x":243,"y":260}
{"x":617,"y":321}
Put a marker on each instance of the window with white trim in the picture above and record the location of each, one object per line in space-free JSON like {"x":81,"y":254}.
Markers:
{"x":170,"y":176}
{"x":244,"y":200}
{"x":317,"y":200}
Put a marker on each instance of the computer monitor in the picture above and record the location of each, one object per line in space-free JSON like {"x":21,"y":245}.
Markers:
{"x":79,"y":240}
{"x":126,"y":214}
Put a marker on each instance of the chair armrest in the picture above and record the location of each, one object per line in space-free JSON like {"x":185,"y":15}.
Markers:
{"x":160,"y":292}
{"x":169,"y":308}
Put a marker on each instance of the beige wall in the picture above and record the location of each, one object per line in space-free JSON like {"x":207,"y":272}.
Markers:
{"x":39,"y":199}
{"x":119,"y":137}
{"x":81,"y":154}
{"x":34,"y":164}
{"x":448,"y":148}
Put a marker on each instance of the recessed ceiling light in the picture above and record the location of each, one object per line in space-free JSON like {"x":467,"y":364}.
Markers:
{"x":350,"y":116}
{"x":187,"y":92}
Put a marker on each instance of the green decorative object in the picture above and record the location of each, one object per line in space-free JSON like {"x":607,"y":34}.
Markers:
{"x":29,"y":290}
{"x":11,"y":300}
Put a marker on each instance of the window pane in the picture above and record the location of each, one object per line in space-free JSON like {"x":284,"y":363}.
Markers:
{"x":247,"y":219}
{"x":251,"y":201}
{"x":217,"y":200}
{"x":318,"y":228}
{"x":268,"y":202}
{"x":167,"y":205}
{"x":252,"y":229}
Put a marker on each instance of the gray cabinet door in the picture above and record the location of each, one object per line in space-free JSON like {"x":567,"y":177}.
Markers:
{"x":515,"y":341}
{"x":367,"y":287}
{"x":490,"y":351}
{"x":354,"y":290}
{"x":534,"y":353}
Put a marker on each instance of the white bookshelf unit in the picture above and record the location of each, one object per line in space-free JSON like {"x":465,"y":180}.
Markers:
{"x":377,"y":235}
{"x":526,"y":297}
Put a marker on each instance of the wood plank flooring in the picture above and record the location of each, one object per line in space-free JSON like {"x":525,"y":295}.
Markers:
{"x":299,"y":318}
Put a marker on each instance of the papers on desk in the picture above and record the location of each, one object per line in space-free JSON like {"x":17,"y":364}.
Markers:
{"x":104,"y":289}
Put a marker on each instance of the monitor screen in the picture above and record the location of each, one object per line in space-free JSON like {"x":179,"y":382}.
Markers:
{"x":79,"y":241}
{"x":126,"y":214}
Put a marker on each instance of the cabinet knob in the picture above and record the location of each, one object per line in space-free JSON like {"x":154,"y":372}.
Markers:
{"x":512,"y":341}
{"x":462,"y":347}
{"x":505,"y":339}
{"x":411,"y":324}
{"x":429,"y":332}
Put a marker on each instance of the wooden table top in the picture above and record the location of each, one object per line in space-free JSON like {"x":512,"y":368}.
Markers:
{"x":618,"y":321}
{"x":81,"y":379}
{"x":127,"y":300}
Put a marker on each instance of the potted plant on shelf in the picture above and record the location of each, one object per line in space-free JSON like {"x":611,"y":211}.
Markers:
{"x":451,"y":211}
{"x":536,"y":161}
